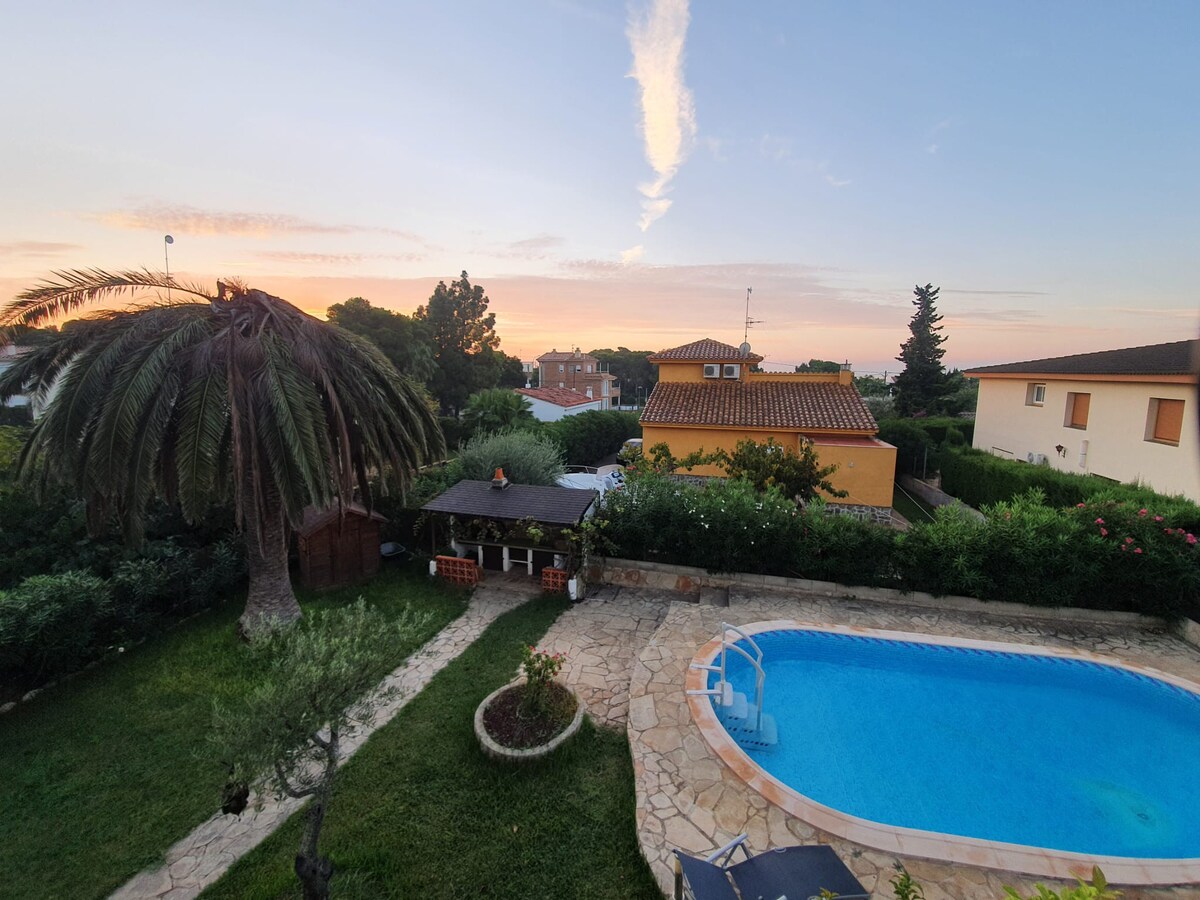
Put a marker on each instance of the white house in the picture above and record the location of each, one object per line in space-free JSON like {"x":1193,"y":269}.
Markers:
{"x":1128,"y":415}
{"x":551,"y":404}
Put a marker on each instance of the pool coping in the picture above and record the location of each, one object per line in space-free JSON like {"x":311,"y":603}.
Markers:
{"x":915,"y":842}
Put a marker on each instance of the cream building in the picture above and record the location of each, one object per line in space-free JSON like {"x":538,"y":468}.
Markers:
{"x":1127,"y":415}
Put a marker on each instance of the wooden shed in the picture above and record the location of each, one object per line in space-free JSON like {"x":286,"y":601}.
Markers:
{"x":338,"y":545}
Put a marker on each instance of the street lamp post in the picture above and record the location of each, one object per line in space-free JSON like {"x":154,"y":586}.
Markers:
{"x":167,"y":242}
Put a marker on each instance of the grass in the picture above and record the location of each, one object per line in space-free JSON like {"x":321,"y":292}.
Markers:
{"x":419,"y":811}
{"x":102,"y":773}
{"x":911,"y":507}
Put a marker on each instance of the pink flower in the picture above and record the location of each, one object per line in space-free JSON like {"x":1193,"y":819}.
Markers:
{"x":1191,"y":539}
{"x":1080,"y":505}
{"x":1099,"y":521}
{"x":1158,"y":518}
{"x":1137,"y":549}
{"x":1129,"y":540}
{"x":1124,"y":546}
{"x":1141,"y":512}
{"x":1103,"y":532}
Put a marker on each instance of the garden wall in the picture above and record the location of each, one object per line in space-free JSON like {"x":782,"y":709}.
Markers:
{"x":689,"y":580}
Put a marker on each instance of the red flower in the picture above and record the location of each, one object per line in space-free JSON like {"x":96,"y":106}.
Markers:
{"x":1141,"y":512}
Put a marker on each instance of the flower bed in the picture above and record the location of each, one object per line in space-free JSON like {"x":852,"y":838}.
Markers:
{"x":531,"y":718}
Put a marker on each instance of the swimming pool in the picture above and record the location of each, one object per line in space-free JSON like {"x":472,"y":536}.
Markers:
{"x":994,"y":745}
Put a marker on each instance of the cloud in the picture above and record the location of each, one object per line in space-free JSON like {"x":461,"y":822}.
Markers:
{"x":632,"y":255}
{"x":668,"y":126}
{"x":305,"y":257}
{"x":185,"y":219}
{"x":37,"y":248}
{"x":536,"y":247}
{"x":715,"y":148}
{"x":932,"y":146}
{"x":837,"y":182}
{"x":983,"y":293}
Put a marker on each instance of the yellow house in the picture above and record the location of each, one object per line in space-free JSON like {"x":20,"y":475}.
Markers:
{"x":707,"y":398}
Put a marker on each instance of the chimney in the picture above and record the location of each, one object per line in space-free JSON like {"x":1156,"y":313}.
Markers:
{"x":499,"y":483}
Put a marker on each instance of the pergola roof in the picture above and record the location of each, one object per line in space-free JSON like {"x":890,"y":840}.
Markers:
{"x":550,"y":505}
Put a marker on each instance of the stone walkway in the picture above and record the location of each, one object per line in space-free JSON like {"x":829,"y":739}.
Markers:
{"x":688,"y":798}
{"x":601,"y":638}
{"x":204,"y":855}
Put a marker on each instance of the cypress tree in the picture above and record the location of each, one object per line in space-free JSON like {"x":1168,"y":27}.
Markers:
{"x":919,"y":389}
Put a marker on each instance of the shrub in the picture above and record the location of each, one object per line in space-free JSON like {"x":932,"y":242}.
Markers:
{"x":48,"y":625}
{"x":921,"y":443}
{"x":590,"y":436}
{"x":526,"y":457}
{"x":978,"y":478}
{"x":1105,"y":554}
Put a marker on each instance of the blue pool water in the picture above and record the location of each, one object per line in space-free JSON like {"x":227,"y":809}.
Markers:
{"x":1036,"y":750}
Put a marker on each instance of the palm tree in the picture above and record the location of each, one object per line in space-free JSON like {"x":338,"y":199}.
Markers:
{"x":199,"y":397}
{"x":496,"y":409}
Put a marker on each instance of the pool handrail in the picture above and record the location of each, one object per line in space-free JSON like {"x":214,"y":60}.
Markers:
{"x":760,"y":676}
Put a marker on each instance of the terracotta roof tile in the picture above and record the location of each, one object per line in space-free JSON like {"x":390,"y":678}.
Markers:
{"x":787,"y":405}
{"x":557,"y":396}
{"x":706,"y":350}
{"x":564,"y":356}
{"x":1176,"y":358}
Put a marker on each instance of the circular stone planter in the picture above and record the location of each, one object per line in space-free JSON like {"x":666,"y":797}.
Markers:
{"x":496,"y":751}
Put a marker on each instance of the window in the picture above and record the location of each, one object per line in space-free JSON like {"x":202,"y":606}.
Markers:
{"x":1164,"y":421}
{"x":579,"y":368}
{"x":1035,"y":394}
{"x":589,"y":368}
{"x":1077,"y":410}
{"x":560,"y":368}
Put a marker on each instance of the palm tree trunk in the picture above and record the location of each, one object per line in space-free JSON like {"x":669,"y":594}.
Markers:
{"x":270,"y":600}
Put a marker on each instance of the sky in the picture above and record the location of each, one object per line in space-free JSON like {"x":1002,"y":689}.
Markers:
{"x":619,"y":175}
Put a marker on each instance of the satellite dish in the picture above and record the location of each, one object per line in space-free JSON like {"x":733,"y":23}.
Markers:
{"x":169,"y":239}
{"x":745,"y":348}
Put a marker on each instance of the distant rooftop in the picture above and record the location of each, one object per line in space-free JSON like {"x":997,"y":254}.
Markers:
{"x":777,"y":404}
{"x":1175,"y":358}
{"x":706,"y":350}
{"x":557,"y":396}
{"x":564,"y":356}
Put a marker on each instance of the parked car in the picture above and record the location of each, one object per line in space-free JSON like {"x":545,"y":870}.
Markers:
{"x":630,"y":451}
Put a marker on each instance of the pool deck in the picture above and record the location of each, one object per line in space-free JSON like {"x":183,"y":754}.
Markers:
{"x":690,"y":797}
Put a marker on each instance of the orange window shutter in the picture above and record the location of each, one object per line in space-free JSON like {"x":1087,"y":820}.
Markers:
{"x":1079,"y":410}
{"x":1169,"y":424}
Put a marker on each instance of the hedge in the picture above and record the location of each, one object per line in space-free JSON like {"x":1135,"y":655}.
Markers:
{"x":54,"y":624}
{"x":978,"y":478}
{"x":1103,"y":554}
{"x":589,"y":437}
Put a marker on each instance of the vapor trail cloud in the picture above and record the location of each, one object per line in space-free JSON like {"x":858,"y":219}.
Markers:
{"x":668,"y":126}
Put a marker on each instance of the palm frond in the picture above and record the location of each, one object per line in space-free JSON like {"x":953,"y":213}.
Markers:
{"x":71,"y":289}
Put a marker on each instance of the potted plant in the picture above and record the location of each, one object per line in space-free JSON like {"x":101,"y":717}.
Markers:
{"x":532,"y":716}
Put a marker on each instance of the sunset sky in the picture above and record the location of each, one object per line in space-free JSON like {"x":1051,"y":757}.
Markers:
{"x":619,"y":175}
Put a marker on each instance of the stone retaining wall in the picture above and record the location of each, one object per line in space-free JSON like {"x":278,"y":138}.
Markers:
{"x":689,"y":580}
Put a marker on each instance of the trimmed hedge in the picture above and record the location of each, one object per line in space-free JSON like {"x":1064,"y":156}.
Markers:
{"x":590,"y":436}
{"x":978,"y":478}
{"x":54,"y":624}
{"x":1103,"y":554}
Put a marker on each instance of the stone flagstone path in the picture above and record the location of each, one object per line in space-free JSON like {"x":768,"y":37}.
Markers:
{"x":204,"y":855}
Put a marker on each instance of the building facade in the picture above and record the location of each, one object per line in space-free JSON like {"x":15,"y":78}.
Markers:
{"x":707,"y":398}
{"x":581,"y":372}
{"x":1126,"y":415}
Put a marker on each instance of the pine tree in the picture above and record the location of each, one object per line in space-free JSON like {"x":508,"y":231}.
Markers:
{"x":919,"y":389}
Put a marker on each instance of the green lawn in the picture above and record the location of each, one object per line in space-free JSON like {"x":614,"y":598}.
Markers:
{"x":105,"y":771}
{"x":911,"y":506}
{"x":419,"y":811}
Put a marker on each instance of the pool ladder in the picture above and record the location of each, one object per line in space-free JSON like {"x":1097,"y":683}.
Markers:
{"x":745,"y":721}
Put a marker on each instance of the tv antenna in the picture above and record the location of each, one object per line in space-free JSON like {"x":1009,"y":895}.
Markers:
{"x":750,"y":323}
